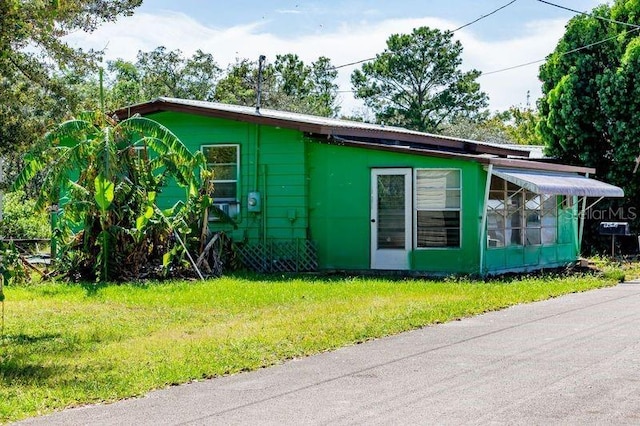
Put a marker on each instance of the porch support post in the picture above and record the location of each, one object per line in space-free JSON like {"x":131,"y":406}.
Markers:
{"x":581,"y":218}
{"x":483,"y":222}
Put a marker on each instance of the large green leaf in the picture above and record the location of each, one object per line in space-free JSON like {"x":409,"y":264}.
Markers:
{"x":143,"y":219}
{"x":104,"y":192}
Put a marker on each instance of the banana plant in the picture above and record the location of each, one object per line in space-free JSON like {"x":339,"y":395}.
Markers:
{"x":105,"y":175}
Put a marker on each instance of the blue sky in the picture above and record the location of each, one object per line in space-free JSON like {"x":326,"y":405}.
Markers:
{"x":294,"y":18}
{"x":346,"y":31}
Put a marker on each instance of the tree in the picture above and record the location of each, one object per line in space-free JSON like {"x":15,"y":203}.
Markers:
{"x":590,"y":103}
{"x":239,"y":84}
{"x":32,"y":50}
{"x":303,"y":88}
{"x":162,"y":73}
{"x":125,"y":85}
{"x":287,"y":84}
{"x":485,"y":128}
{"x":106,"y":176}
{"x":168,"y":73}
{"x":521,"y":126}
{"x":517,"y":125}
{"x":417,"y":82}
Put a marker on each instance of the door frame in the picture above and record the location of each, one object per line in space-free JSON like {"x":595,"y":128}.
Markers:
{"x":391,"y":259}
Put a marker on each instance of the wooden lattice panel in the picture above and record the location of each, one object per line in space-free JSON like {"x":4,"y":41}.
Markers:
{"x":279,"y":256}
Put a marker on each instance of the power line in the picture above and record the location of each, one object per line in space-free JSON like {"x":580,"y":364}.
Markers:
{"x":537,"y":61}
{"x":561,"y":54}
{"x":484,"y":16}
{"x":452,"y":31}
{"x":602,"y":18}
{"x":352,"y":63}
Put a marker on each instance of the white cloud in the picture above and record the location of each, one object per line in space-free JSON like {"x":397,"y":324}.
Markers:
{"x":510,"y":87}
{"x":289,"y":11}
{"x":348,"y":43}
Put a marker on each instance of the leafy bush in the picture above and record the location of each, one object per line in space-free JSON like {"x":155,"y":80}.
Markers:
{"x":105,"y":176}
{"x":12,"y":269}
{"x":20,"y":220}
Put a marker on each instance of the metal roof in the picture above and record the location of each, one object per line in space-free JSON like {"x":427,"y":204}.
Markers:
{"x":323,"y":125}
{"x":556,"y":183}
{"x":361,"y":135}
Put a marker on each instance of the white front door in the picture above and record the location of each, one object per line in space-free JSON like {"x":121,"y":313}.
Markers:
{"x":390,"y":218}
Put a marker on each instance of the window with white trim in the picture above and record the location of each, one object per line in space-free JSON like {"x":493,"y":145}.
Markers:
{"x":437,"y":208}
{"x":224,"y":160}
{"x":518,"y":217}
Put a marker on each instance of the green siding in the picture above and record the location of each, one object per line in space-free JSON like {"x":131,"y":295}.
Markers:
{"x":323,"y":192}
{"x":274,"y":156}
{"x":340,"y":208}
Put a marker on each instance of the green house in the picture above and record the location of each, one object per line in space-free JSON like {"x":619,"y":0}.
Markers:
{"x":313,"y":193}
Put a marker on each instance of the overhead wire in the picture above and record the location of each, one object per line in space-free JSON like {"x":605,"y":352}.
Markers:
{"x":484,"y":16}
{"x":635,"y":29}
{"x":577,"y":49}
{"x":602,"y":18}
{"x":452,"y":31}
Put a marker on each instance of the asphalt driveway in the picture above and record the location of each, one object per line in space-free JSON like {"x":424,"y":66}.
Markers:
{"x":570,"y":360}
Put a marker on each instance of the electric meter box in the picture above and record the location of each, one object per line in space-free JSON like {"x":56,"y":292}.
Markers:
{"x":254,"y":202}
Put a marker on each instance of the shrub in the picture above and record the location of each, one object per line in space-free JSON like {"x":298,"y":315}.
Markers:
{"x":20,"y":220}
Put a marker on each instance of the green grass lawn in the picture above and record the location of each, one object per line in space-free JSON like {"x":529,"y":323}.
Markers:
{"x":71,"y":344}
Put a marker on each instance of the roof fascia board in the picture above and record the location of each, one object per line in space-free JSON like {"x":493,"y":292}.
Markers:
{"x":538,"y":165}
{"x":403,"y":150}
{"x":160,"y":104}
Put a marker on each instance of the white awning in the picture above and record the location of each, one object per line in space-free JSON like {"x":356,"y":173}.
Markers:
{"x":557,"y":183}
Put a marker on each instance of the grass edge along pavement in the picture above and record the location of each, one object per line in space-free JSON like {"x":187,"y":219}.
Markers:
{"x":67,"y":345}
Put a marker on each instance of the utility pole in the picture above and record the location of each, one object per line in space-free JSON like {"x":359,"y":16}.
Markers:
{"x":261,"y":60}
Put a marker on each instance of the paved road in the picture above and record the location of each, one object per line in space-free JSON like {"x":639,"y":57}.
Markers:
{"x":571,"y":360}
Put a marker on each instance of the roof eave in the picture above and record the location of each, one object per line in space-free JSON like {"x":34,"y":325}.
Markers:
{"x":539,"y":165}
{"x":434,"y":141}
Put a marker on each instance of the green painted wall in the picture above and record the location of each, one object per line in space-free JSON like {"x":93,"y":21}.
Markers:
{"x":272,"y":161}
{"x":323,"y":192}
{"x":340,"y":208}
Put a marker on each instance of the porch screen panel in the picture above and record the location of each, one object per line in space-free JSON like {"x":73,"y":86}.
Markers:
{"x":519,"y":217}
{"x":391,"y":212}
{"x":437,"y":208}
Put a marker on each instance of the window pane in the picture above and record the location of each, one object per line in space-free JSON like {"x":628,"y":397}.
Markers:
{"x":437,"y":189}
{"x":224,"y":191}
{"x":514,"y":202}
{"x":533,"y":236}
{"x":495,"y":229}
{"x":513,"y":236}
{"x":533,"y":219}
{"x":453,"y":199}
{"x":438,"y":229}
{"x":391,"y":212}
{"x":549,"y":235}
{"x":533,"y":201}
{"x":438,"y":204}
{"x":220,"y":154}
{"x":512,"y":187}
{"x":432,"y":199}
{"x":223,"y":161}
{"x":549,"y":204}
{"x":225,"y":172}
{"x":438,"y":179}
{"x":524,"y":218}
{"x":497,"y":184}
